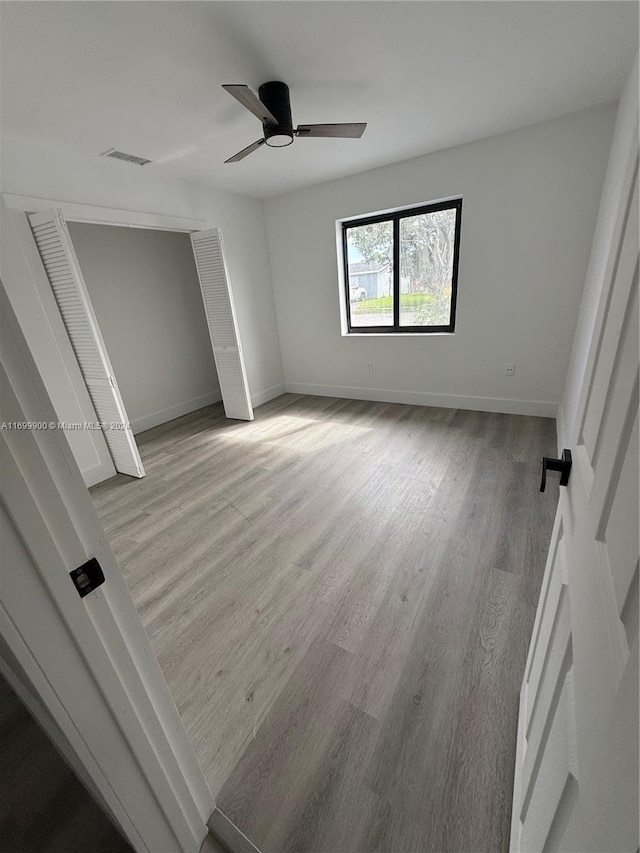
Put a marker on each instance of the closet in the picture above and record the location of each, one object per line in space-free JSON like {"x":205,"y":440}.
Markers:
{"x":145,"y":311}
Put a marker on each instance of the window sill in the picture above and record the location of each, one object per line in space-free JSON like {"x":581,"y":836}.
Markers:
{"x":398,"y":334}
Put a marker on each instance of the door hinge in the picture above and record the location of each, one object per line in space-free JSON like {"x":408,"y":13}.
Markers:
{"x":87,"y":577}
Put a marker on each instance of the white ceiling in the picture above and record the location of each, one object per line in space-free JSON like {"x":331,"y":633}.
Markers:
{"x":145,"y":77}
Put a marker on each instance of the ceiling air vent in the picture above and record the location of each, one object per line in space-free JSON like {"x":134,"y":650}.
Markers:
{"x":127,"y":158}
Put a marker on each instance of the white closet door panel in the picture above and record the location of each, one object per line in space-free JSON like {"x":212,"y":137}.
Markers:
{"x":62,"y":268}
{"x":232,"y":380}
{"x":223,"y":327}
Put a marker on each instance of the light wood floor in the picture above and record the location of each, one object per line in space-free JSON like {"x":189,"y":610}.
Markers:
{"x":341,"y":595}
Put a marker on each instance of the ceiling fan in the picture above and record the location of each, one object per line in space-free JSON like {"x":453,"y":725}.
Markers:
{"x":272,"y":106}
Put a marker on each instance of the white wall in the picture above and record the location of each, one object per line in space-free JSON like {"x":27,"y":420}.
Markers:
{"x":529,"y":211}
{"x":144,"y":289}
{"x":621,"y":163}
{"x":46,"y":173}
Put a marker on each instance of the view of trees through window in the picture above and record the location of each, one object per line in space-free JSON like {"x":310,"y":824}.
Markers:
{"x":370,"y":257}
{"x":422,"y":285}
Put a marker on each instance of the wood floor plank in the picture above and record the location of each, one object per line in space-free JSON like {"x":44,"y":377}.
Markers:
{"x":333,"y":809}
{"x":485,"y":712}
{"x":310,"y":751}
{"x":341,"y":594}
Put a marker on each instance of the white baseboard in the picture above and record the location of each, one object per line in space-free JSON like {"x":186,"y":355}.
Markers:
{"x":163,"y":416}
{"x":268,"y":394}
{"x":540,"y":408}
{"x":98,"y":473}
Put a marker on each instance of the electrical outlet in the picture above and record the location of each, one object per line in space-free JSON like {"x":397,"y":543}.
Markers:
{"x":510,"y":368}
{"x":370,"y":367}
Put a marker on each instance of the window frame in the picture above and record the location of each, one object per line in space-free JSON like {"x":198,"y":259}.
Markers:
{"x":395,"y":216}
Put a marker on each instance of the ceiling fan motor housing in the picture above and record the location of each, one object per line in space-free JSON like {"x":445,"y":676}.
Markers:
{"x":275,"y":96}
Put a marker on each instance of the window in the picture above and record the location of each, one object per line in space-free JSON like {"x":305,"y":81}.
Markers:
{"x":401,"y":269}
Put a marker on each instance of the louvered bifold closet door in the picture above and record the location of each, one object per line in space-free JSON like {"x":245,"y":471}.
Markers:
{"x":70,"y":291}
{"x":223,"y":327}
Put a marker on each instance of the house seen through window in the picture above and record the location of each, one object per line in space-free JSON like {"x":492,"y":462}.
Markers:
{"x":401,"y":269}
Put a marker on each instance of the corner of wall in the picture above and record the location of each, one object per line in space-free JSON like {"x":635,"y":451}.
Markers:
{"x":267,"y":394}
{"x":560,"y":430}
{"x":622,"y":159}
{"x":269,"y":266}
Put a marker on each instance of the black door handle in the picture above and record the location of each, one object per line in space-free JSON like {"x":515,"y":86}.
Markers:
{"x":563,"y":465}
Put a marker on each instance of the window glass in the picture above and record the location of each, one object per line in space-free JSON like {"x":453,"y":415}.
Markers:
{"x":370,"y":261}
{"x":426,"y":268}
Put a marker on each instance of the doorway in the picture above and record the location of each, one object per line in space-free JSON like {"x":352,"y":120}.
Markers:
{"x":143,"y":284}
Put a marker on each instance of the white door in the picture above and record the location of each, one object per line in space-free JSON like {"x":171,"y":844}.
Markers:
{"x":83,"y":665}
{"x":221,"y":319}
{"x":576,"y":783}
{"x":70,"y":291}
{"x":33,"y":301}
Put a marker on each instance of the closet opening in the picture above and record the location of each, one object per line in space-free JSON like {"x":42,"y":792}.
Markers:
{"x":150,"y":316}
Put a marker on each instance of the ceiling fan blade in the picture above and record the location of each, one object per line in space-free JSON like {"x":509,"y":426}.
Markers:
{"x":251,"y":101}
{"x":245,"y":151}
{"x":352,"y":131}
